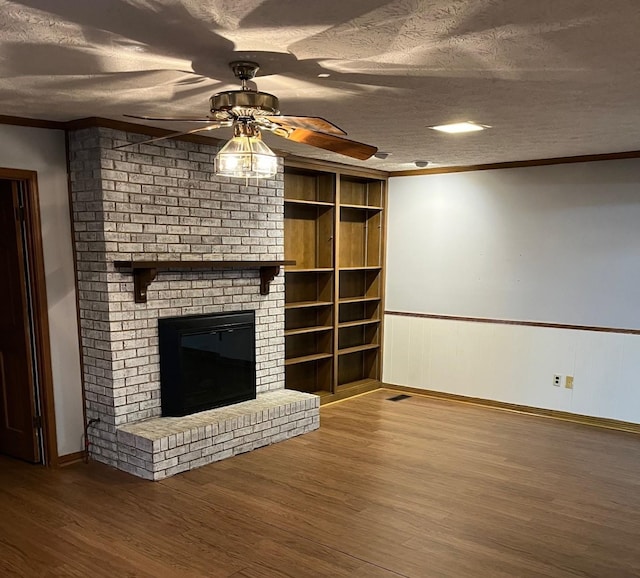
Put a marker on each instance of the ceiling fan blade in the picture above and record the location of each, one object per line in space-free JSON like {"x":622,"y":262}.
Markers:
{"x":336,"y":144}
{"x":172,"y":135}
{"x":314,"y":123}
{"x":173,"y":118}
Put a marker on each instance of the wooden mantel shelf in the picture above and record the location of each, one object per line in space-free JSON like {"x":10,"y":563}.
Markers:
{"x":144,"y":272}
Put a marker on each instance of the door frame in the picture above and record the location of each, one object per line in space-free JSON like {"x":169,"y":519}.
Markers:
{"x":38,"y":289}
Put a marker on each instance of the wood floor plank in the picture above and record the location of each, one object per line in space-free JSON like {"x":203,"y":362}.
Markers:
{"x":420,"y":487}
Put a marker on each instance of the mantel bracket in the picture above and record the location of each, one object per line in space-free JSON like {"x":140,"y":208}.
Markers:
{"x":142,"y":278}
{"x":267,"y":274}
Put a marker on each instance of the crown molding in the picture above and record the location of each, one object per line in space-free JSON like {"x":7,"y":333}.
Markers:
{"x":519,"y":164}
{"x":32,"y":122}
{"x":152,"y":131}
{"x":331,"y":166}
{"x":304,"y":162}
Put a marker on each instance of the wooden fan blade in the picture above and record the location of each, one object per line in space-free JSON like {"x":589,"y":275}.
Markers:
{"x":171,"y":135}
{"x":173,"y":118}
{"x":343,"y":146}
{"x":314,"y":123}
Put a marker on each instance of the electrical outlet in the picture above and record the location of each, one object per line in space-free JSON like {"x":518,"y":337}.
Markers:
{"x":557,"y":380}
{"x":568,"y":382}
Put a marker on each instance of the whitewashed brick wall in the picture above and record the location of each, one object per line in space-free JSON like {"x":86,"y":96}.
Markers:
{"x":162,"y":201}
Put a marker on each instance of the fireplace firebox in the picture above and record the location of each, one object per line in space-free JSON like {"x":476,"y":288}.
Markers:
{"x":206,"y":361}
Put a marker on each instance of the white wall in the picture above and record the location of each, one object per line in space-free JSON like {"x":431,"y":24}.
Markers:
{"x":44,"y":151}
{"x":557,"y":244}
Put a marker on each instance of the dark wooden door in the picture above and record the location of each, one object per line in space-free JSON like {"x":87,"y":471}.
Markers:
{"x":18,"y":435}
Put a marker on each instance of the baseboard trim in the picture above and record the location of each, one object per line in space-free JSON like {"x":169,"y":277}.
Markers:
{"x":352,"y":396}
{"x":341,"y":395}
{"x":69,"y":459}
{"x":601,"y":422}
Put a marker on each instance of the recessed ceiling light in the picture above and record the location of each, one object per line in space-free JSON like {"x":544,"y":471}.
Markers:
{"x":382,"y":155}
{"x":458,"y":127}
{"x":421,"y":164}
{"x":324,"y":75}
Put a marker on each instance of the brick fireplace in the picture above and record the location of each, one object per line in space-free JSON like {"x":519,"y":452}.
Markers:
{"x":162,"y":202}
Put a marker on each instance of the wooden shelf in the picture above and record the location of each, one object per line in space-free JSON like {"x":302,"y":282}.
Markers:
{"x":357,"y":348}
{"x":357,"y":323}
{"x":363,"y":230}
{"x":144,"y":272}
{"x":358,"y":300}
{"x":310,"y":270}
{"x":364,"y":268}
{"x":363,"y":207}
{"x":358,"y":383}
{"x":361,"y":192}
{"x":307,"y":358}
{"x":321,"y":393}
{"x":303,"y":304}
{"x":309,"y":185}
{"x":312,"y":377}
{"x":303,"y":330}
{"x":314,"y":203}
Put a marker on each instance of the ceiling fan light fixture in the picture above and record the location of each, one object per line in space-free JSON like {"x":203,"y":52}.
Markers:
{"x":246,"y":156}
{"x":249,"y":111}
{"x":459,"y":127}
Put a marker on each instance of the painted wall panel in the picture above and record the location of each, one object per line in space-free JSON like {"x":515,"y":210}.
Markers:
{"x":556,"y":244}
{"x":516,"y":364}
{"x":552,"y":244}
{"x":43,"y":151}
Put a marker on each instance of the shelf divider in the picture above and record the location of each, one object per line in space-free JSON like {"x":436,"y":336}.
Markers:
{"x":357,"y":300}
{"x":303,"y":304}
{"x":363,"y":207}
{"x":309,"y":270}
{"x":357,"y":348}
{"x":358,"y":323}
{"x":307,"y":358}
{"x":312,"y":329}
{"x":313,"y":203}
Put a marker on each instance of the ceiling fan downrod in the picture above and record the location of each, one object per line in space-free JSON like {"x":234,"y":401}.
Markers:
{"x":244,"y":71}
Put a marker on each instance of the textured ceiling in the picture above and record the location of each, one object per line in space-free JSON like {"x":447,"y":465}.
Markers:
{"x":552,"y":77}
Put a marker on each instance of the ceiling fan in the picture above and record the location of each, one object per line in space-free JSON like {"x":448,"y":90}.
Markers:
{"x":250,"y":111}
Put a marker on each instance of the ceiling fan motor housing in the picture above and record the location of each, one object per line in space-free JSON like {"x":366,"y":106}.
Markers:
{"x":245,"y":103}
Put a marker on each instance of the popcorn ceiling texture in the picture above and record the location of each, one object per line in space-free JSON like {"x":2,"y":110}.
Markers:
{"x":163,"y":202}
{"x":553,"y":78}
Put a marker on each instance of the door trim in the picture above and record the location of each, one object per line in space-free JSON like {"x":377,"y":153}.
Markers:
{"x":35,"y":257}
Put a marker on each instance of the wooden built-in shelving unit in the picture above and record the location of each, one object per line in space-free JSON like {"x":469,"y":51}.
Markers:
{"x":334,"y":231}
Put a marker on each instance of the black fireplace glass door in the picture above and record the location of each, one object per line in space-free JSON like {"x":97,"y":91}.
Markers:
{"x":217,"y":364}
{"x":206,"y":361}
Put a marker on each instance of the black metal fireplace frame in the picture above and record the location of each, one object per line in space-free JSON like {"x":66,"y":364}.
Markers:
{"x":171,"y":331}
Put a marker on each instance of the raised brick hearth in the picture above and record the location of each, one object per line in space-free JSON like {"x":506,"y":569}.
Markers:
{"x":163,"y":202}
{"x":161,"y":447}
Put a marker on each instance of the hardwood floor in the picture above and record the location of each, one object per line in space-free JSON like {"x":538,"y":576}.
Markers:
{"x":418,"y":487}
